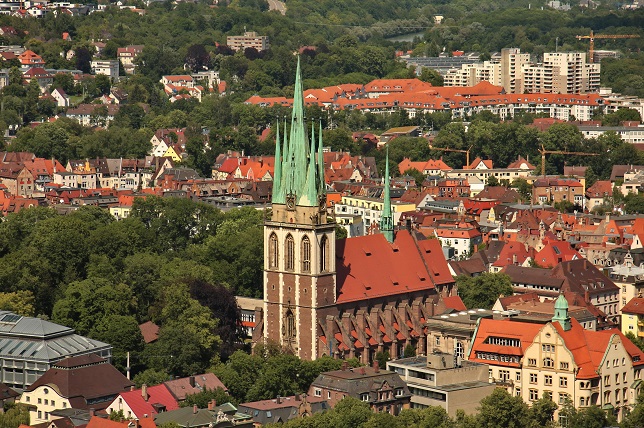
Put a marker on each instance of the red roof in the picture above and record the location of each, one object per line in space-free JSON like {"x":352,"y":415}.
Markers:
{"x":369,"y":266}
{"x":149,"y":330}
{"x":555,"y":252}
{"x":454,"y":302}
{"x":158,"y":394}
{"x":634,"y":306}
{"x":524,"y":332}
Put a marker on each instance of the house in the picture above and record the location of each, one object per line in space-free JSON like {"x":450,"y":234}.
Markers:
{"x":577,"y":276}
{"x":555,"y":190}
{"x":443,"y":380}
{"x":214,"y":416}
{"x":61,"y":97}
{"x":383,"y":390}
{"x":30,"y":59}
{"x":83,"y":382}
{"x":600,"y":193}
{"x":108,"y":67}
{"x":142,"y":403}
{"x":181,"y":388}
{"x":42,"y":76}
{"x":561,"y":359}
{"x":127,"y":56}
{"x":283,"y":409}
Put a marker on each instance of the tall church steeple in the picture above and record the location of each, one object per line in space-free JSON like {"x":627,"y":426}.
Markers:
{"x":387,"y":219}
{"x":298,"y":170}
{"x":299,"y":239}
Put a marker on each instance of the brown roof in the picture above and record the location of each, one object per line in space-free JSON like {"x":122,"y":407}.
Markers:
{"x":83,"y":378}
{"x":183,"y":387}
{"x":150,"y":331}
{"x":634,"y":306}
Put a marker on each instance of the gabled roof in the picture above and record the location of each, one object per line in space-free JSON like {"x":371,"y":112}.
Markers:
{"x":634,"y":306}
{"x":150,"y":331}
{"x":158,"y":394}
{"x":181,"y":388}
{"x":600,"y":189}
{"x":555,"y":252}
{"x":369,"y":266}
{"x":505,"y":328}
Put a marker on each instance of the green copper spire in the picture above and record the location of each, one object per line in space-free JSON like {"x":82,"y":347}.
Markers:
{"x":321,"y":182}
{"x":278,"y":194}
{"x":561,"y":313}
{"x":387,"y":219}
{"x":309,"y":197}
{"x":298,"y":174}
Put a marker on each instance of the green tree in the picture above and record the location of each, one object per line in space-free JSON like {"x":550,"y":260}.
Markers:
{"x":201,"y":399}
{"x":417,"y":175}
{"x":151,"y":377}
{"x":542,"y":412}
{"x":20,"y":302}
{"x":431,"y":76}
{"x":523,"y":188}
{"x":482,"y":291}
{"x":500,"y":409}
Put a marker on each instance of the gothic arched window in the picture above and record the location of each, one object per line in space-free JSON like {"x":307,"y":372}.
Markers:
{"x":324,"y":254}
{"x":273,"y":251}
{"x":289,"y":324}
{"x":290,"y":252}
{"x":306,"y":254}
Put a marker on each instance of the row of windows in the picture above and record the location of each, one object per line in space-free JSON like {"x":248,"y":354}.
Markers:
{"x":503,"y":341}
{"x":289,"y":251}
{"x":497,"y":357}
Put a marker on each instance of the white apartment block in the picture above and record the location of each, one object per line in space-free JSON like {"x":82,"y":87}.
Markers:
{"x":110,"y":68}
{"x":560,"y":73}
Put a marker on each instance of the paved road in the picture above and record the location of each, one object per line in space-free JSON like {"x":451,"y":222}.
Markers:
{"x":277,"y":5}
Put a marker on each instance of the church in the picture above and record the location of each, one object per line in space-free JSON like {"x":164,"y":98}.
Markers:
{"x":345,"y":298}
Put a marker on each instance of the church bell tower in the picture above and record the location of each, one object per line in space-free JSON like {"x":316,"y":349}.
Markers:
{"x":299,"y":242}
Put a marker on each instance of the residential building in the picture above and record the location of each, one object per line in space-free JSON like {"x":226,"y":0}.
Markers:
{"x":108,"y":67}
{"x":127,"y":55}
{"x":142,"y":403}
{"x":61,"y":97}
{"x":512,"y":61}
{"x":83,"y":382}
{"x":223,"y":416}
{"x":30,"y":346}
{"x":248,"y":308}
{"x":183,"y":387}
{"x":633,"y":317}
{"x":562,"y":360}
{"x":555,"y":190}
{"x":370,"y":209}
{"x":599,"y":194}
{"x":29,"y":58}
{"x":250,"y":39}
{"x":443,"y":380}
{"x":383,"y":390}
{"x":578,"y":276}
{"x":283,"y":409}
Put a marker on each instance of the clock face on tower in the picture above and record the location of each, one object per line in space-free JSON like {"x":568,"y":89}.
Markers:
{"x":290,"y":202}
{"x":322,"y":202}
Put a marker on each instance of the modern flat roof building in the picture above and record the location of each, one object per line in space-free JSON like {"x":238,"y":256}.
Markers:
{"x":441,"y":380}
{"x":30,"y":346}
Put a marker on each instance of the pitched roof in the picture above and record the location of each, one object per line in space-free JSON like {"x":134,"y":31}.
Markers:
{"x":84,"y":378}
{"x":150,"y":331}
{"x":181,"y":388}
{"x":158,"y":394}
{"x":634,"y":306}
{"x":369,"y":266}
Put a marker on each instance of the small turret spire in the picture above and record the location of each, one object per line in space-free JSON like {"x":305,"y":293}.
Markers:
{"x":278,"y":194}
{"x":387,"y":219}
{"x":561,"y":313}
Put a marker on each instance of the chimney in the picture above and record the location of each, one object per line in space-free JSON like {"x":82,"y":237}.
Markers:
{"x":191,"y":379}
{"x":92,"y":412}
{"x":408,"y":225}
{"x":376,"y":366}
{"x":144,"y":392}
{"x":279,"y":400}
{"x":212,"y":404}
{"x":195,"y":409}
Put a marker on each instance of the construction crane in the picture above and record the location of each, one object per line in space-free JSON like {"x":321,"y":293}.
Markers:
{"x":446,"y":149}
{"x":594,"y":36}
{"x":544,"y":152}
